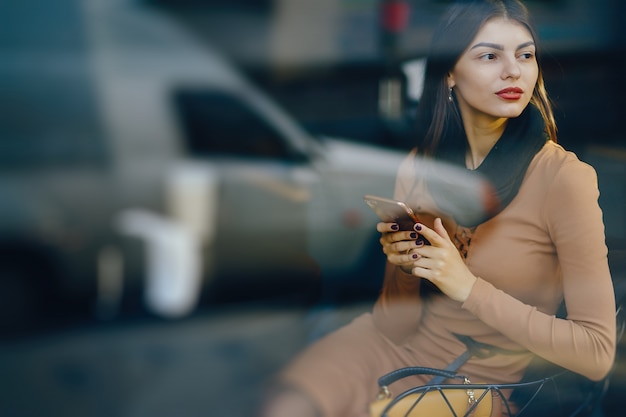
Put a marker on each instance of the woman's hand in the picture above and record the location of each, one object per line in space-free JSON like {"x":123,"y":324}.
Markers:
{"x":399,"y":245}
{"x":439,"y":262}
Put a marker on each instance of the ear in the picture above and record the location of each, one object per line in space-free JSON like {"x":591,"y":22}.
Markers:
{"x":450,"y":80}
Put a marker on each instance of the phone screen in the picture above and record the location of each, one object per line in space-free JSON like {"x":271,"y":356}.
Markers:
{"x":392,"y":211}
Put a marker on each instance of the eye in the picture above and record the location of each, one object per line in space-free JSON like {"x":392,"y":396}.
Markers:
{"x":527,"y":56}
{"x":490,"y":56}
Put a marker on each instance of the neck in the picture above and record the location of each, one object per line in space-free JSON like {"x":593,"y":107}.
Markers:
{"x":481,"y":139}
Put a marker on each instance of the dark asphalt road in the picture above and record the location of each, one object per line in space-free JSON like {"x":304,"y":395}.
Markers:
{"x":209,"y":365}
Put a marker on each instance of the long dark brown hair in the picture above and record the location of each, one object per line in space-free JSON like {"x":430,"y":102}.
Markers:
{"x":439,"y":121}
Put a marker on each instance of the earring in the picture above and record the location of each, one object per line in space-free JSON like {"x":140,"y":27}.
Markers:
{"x":450,"y":94}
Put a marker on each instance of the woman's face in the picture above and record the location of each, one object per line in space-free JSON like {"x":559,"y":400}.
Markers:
{"x":496,"y":75}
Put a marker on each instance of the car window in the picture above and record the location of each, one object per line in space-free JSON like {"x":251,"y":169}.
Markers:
{"x":216,"y":123}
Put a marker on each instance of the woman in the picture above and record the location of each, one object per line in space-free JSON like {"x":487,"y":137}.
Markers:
{"x":500,"y":278}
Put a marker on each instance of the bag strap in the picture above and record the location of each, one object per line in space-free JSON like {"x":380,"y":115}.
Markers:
{"x":474,"y":348}
{"x":393,"y":376}
{"x":452,"y":368}
{"x":388,"y":379}
{"x":484,"y":350}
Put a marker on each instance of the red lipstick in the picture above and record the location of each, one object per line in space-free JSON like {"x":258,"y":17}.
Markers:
{"x":510,"y":93}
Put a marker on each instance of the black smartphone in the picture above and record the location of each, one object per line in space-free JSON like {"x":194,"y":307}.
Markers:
{"x":392,"y":211}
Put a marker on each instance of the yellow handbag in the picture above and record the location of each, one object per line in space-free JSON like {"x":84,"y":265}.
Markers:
{"x":453,"y":400}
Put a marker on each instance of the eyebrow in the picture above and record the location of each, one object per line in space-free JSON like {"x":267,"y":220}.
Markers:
{"x":501,"y":47}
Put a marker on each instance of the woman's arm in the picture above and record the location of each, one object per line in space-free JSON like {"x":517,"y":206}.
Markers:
{"x":584,"y":342}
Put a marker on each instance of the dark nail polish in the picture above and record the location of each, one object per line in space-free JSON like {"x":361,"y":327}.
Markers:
{"x":417,"y":227}
{"x":415,"y":256}
{"x":413,"y":235}
{"x":419,"y":241}
{"x":395,"y":227}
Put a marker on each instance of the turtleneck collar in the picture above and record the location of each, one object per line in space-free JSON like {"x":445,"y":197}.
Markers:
{"x":506,"y":164}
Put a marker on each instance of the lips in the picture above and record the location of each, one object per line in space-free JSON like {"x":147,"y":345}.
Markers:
{"x":510,"y":93}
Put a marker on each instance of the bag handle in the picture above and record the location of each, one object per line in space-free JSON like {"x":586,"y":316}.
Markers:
{"x":393,"y":376}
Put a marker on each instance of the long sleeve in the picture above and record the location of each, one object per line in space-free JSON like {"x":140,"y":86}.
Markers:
{"x":585,"y":341}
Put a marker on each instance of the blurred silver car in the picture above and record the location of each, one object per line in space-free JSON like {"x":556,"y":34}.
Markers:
{"x":156,"y":168}
{"x":149,"y":166}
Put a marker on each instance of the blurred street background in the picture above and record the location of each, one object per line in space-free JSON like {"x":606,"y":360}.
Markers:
{"x":181,"y":185}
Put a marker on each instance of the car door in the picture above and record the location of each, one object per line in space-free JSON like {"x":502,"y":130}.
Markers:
{"x":259,"y":244}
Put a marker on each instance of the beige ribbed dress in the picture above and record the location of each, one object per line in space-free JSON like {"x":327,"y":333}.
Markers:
{"x":545,"y":246}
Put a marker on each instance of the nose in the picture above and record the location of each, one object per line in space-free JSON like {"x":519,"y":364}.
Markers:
{"x":511,"y":69}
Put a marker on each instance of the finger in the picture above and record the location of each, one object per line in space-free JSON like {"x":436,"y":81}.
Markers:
{"x":408,"y":245}
{"x":426,"y":232}
{"x":434,"y":266}
{"x":432,"y":269}
{"x":402,"y":247}
{"x":440,"y":229}
{"x":404,"y":259}
{"x":383,"y":227}
{"x":433,"y":235}
{"x":426,"y":252}
{"x":393,"y":237}
{"x":413,"y":256}
{"x":426,"y":273}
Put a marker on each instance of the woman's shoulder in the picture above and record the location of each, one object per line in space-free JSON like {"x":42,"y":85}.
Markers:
{"x":554,"y":160}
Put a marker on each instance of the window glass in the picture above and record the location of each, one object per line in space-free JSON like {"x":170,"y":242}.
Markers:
{"x":216,"y":123}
